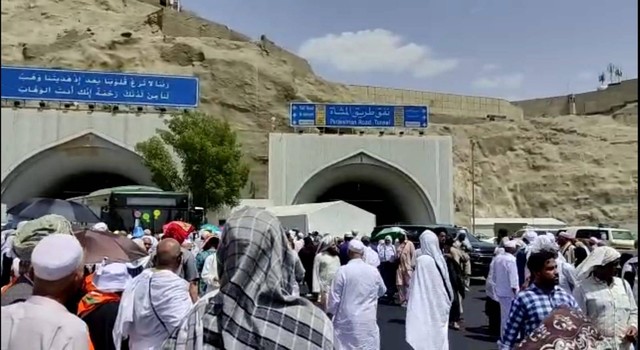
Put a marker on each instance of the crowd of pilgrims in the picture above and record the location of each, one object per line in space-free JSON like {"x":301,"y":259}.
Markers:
{"x":241,"y":289}
{"x":562,"y":293}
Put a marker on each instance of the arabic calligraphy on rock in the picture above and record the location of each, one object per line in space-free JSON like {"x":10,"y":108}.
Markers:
{"x":77,"y":85}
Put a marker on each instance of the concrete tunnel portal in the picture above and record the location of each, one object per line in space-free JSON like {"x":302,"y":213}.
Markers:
{"x":372,"y":185}
{"x":74,"y":167}
{"x":88,"y":162}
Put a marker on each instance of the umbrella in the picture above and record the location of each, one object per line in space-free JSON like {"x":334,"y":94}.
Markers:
{"x":72,"y":211}
{"x":116,"y":248}
{"x":394,"y":232}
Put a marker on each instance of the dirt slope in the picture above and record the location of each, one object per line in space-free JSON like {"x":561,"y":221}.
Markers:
{"x":580,"y":169}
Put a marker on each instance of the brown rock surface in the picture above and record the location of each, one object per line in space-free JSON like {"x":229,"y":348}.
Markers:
{"x":579,"y":169}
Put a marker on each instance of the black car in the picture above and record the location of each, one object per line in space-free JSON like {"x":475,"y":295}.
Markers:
{"x":480,"y":256}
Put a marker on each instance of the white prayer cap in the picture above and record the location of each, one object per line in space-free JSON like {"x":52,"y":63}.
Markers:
{"x":530,"y":235}
{"x":510,"y":244}
{"x":112,"y":277}
{"x":348,"y":235}
{"x":56,"y":256}
{"x":570,"y":234}
{"x":147,"y":232}
{"x":300,"y":235}
{"x":100,"y":227}
{"x":356,"y":246}
{"x":498,"y":251}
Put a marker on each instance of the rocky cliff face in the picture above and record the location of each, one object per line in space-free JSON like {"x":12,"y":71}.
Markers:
{"x":580,"y":169}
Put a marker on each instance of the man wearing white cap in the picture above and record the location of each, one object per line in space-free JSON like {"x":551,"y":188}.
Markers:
{"x":42,"y":322}
{"x":521,"y":256}
{"x":505,"y":280}
{"x":344,"y":248}
{"x":353,"y":302}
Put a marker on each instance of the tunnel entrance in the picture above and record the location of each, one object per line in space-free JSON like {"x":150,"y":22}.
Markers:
{"x":367,"y":196}
{"x":373,"y":185}
{"x":73,"y":167}
{"x":82,"y":184}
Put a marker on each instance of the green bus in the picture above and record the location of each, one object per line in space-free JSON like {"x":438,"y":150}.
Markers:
{"x":121,"y":207}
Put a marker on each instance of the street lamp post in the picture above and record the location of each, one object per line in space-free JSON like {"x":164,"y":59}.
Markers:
{"x":473,"y":187}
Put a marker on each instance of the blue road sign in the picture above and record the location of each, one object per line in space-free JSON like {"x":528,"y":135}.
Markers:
{"x":22,"y":83}
{"x":358,"y":116}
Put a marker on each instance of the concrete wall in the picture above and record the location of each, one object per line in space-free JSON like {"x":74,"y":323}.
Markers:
{"x":593,"y":102}
{"x":291,"y":168}
{"x":440,"y":103}
{"x":27,"y":131}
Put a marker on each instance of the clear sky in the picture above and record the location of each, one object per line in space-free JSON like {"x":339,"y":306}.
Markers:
{"x":508,"y":48}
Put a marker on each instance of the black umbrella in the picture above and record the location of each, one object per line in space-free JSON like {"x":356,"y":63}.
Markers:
{"x":72,"y":211}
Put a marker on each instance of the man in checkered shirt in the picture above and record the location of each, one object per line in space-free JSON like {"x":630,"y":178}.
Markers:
{"x":532,"y":305}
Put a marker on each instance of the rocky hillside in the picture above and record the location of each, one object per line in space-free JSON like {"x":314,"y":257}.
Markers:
{"x":580,"y":169}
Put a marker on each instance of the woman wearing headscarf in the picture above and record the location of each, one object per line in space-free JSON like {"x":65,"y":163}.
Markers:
{"x":254,"y":308}
{"x":430,"y":298}
{"x":607,"y":299}
{"x":325,"y":266}
{"x":208,"y":249}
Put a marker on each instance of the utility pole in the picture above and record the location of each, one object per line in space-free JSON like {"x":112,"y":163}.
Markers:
{"x":473,"y":188}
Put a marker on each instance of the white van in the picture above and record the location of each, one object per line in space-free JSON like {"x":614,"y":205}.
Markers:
{"x":617,"y":238}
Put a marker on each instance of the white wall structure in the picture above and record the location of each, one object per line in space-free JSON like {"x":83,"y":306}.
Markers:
{"x":43,"y":147}
{"x":416,"y":170}
{"x":335,"y":218}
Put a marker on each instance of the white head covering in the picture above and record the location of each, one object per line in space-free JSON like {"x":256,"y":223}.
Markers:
{"x":594,"y":240}
{"x":543,"y":242}
{"x":530,"y":235}
{"x":388,"y":239}
{"x":48,"y":262}
{"x":356,"y":246}
{"x":349,"y":234}
{"x":570,"y":234}
{"x":100,"y":227}
{"x":15,"y":267}
{"x":510,"y":244}
{"x":430,"y":245}
{"x":498,"y":251}
{"x":600,"y":256}
{"x":111,"y":278}
{"x":326,"y":242}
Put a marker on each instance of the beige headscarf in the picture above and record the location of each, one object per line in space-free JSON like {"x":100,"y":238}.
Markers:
{"x":32,"y":232}
{"x":600,"y":256}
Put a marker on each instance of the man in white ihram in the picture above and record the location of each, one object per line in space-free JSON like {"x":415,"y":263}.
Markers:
{"x":430,"y":298}
{"x":42,"y":322}
{"x":155,"y":302}
{"x":505,"y":280}
{"x":353,"y":302}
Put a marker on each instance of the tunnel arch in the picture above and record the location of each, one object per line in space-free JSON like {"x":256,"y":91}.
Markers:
{"x":88,"y":152}
{"x":400,"y":188}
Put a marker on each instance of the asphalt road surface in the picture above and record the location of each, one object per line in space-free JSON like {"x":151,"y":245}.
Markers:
{"x":472,"y":334}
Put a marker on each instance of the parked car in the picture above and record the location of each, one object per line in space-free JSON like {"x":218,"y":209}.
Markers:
{"x":620,"y":239}
{"x":480,"y":256}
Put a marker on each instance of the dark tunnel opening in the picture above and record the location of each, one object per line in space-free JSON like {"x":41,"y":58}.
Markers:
{"x":370,"y":197}
{"x":84,"y":183}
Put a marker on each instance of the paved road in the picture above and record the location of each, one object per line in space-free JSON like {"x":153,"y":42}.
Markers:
{"x":391,"y":320}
